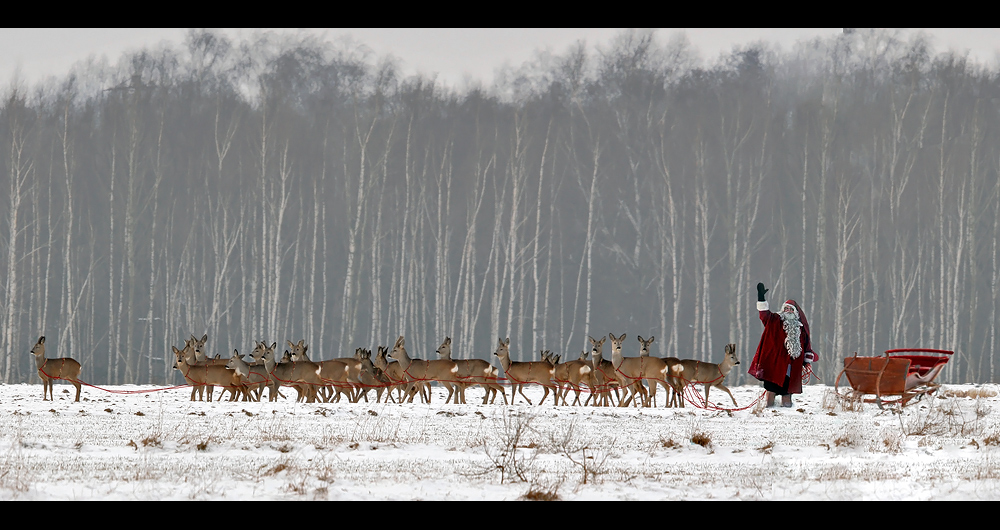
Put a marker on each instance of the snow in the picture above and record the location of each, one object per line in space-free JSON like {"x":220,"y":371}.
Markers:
{"x":156,"y":444}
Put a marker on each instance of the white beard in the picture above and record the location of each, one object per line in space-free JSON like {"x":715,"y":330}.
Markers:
{"x":792,"y":327}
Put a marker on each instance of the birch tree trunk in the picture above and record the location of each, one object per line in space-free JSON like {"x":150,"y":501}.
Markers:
{"x":20,"y":171}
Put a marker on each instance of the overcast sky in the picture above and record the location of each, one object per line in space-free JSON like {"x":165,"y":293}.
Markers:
{"x":452,"y":53}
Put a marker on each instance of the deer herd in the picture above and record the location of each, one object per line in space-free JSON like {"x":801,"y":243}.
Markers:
{"x":393,"y":375}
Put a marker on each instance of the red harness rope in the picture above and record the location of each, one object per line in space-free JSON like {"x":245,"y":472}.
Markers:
{"x":111,"y":391}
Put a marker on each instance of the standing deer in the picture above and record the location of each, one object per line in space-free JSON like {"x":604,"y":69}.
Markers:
{"x":674,"y":381}
{"x":657,"y":371}
{"x":260,"y":358}
{"x":51,"y":369}
{"x":374,"y":377}
{"x":340,"y":376}
{"x":421,"y":371}
{"x":473,"y":372}
{"x":253,"y":377}
{"x":191,"y":357}
{"x":394,"y":373}
{"x":571,"y":375}
{"x":197,"y":356}
{"x":710,"y":375}
{"x":522,"y":373}
{"x":603,"y":375}
{"x":208,"y":374}
{"x":628,"y":371}
{"x":303,"y":376}
{"x":263,"y":355}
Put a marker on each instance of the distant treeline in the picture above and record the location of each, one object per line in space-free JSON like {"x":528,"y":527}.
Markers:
{"x":286,"y":188}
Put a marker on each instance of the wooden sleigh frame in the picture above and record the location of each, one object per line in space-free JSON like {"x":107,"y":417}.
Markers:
{"x":896,"y":378}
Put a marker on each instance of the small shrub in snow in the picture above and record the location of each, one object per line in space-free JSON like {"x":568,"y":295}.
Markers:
{"x":539,"y":493}
{"x":703,"y":439}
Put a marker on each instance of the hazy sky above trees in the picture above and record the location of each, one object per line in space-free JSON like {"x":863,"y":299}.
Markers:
{"x":456,"y":55}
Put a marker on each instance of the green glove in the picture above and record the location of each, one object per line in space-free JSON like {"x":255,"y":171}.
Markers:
{"x":760,"y":292}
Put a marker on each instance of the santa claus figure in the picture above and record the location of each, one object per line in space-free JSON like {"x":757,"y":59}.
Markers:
{"x":783,"y":350}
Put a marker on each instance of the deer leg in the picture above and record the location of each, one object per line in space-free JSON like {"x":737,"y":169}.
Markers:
{"x":624,"y":402}
{"x":545,"y":395}
{"x":520,"y":389}
{"x":730,"y":394}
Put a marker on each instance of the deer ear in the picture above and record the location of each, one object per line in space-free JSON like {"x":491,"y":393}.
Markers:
{"x":274,"y":345}
{"x":651,"y":339}
{"x":640,"y":338}
{"x":506,"y":341}
{"x":41,"y":340}
{"x":204,"y":337}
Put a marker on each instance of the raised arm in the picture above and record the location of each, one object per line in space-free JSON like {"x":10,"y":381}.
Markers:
{"x":762,"y":307}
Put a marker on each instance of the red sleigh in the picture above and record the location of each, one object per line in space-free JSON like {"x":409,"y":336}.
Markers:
{"x":893,"y":379}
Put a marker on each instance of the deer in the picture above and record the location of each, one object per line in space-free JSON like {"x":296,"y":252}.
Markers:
{"x":603,"y":375}
{"x":373,"y":377}
{"x":522,"y":373}
{"x":254,"y":377}
{"x":339,"y":376}
{"x":197,"y":356}
{"x":710,"y":375}
{"x":628,"y":372}
{"x":361,"y":375}
{"x":336,"y":376}
{"x":49,"y":370}
{"x":473,"y":372}
{"x":263,"y":355}
{"x":257,"y":356}
{"x":395,"y":375}
{"x":189,"y":355}
{"x":658,"y":371}
{"x":208,"y":374}
{"x":572,"y":374}
{"x":674,"y":380}
{"x":304,"y":376}
{"x":419,"y":370}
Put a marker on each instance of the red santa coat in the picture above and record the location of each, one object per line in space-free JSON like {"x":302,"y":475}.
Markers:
{"x":771,"y":361}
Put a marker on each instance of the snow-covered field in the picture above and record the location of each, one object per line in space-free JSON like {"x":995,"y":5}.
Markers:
{"x":159,"y":445}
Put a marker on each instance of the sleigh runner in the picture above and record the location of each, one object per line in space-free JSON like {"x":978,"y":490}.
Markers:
{"x":897,"y":377}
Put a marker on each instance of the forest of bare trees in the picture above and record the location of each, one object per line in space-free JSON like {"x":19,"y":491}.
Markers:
{"x":286,"y":188}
